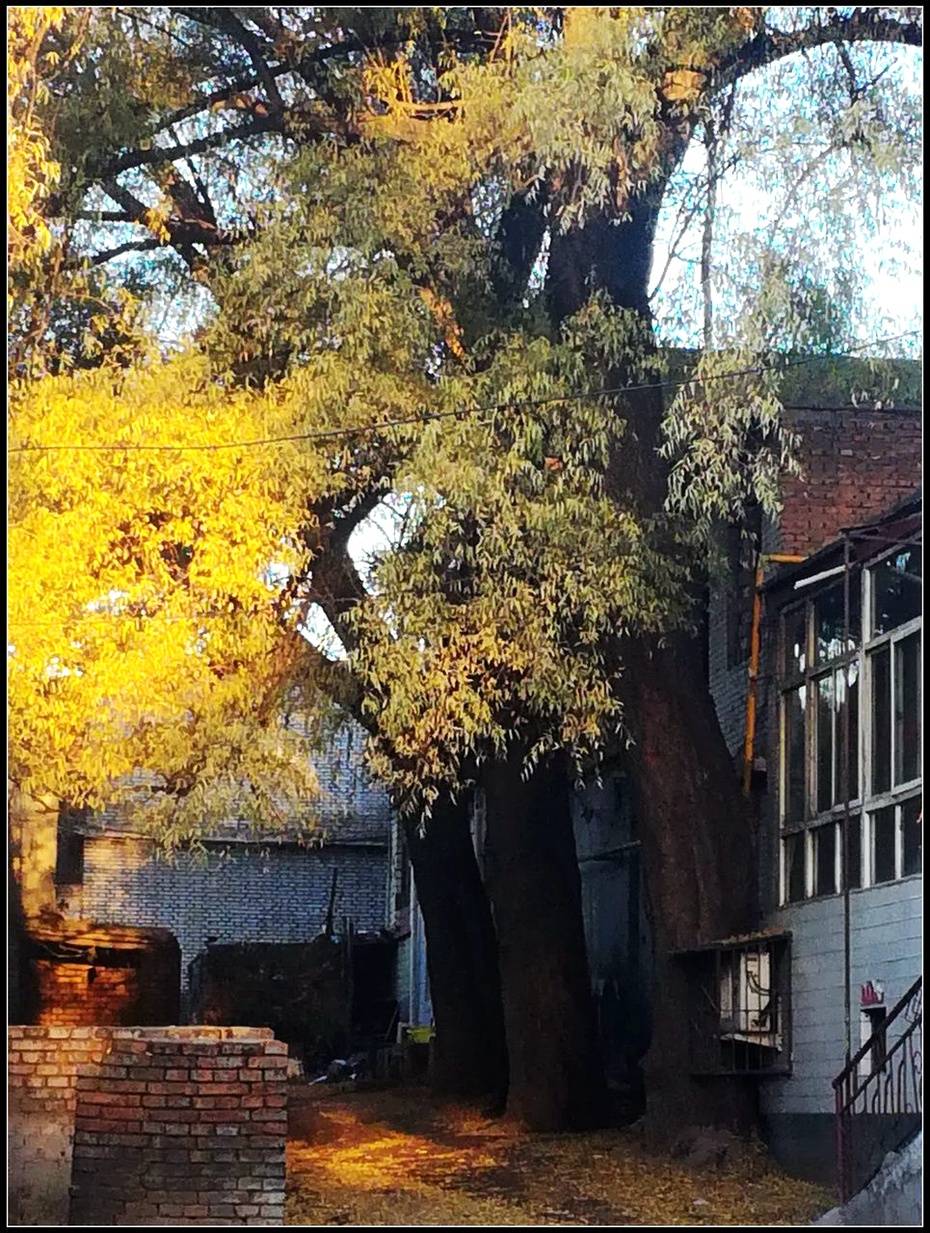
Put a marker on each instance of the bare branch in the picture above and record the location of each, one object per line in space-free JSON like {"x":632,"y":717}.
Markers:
{"x":226,"y":21}
{"x":155,"y":156}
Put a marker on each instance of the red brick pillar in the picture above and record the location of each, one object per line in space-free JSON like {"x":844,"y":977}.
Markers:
{"x":182,"y":1128}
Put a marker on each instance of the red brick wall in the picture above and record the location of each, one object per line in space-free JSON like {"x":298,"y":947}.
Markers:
{"x":108,"y":975}
{"x":82,"y":994}
{"x":856,"y":464}
{"x":42,"y":1075}
{"x":147,"y":1125}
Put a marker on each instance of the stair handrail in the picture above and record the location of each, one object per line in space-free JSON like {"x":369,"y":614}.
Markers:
{"x":853,"y":1063}
{"x":845,"y":1103}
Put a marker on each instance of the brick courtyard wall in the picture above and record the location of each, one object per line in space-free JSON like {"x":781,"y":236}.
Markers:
{"x":152,"y":1125}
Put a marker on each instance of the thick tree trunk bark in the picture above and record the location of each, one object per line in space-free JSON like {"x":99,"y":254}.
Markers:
{"x":696,"y":834}
{"x":470,"y":1057}
{"x":698,"y":858}
{"x":556,"y":1077}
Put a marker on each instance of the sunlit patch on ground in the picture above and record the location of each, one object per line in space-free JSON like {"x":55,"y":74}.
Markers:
{"x":395,"y":1158}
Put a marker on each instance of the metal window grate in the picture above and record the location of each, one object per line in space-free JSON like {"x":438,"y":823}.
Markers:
{"x":740,"y":1015}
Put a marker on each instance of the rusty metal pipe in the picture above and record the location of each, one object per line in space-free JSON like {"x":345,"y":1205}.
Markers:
{"x":755,"y":643}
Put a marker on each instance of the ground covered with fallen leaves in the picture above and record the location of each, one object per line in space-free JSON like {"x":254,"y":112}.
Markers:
{"x":397,"y":1158}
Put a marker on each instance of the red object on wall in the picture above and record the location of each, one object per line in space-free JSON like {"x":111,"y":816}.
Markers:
{"x":870,"y":996}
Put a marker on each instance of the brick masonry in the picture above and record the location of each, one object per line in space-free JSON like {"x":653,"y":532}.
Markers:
{"x":856,"y":463}
{"x":79,"y":993}
{"x":77,"y":973}
{"x":146,"y":1126}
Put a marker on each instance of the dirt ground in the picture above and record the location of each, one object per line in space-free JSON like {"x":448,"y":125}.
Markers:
{"x":396,"y":1158}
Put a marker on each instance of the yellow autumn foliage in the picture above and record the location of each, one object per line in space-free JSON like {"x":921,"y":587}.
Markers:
{"x":31,"y":172}
{"x":150,"y":639}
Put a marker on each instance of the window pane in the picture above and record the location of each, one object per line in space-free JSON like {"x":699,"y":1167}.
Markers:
{"x":847,"y":689}
{"x":824,"y":742}
{"x":793,"y":788}
{"x":825,"y":844}
{"x":883,"y":845}
{"x":829,"y":622}
{"x":912,"y":825}
{"x":795,"y":887}
{"x":855,"y":851}
{"x":881,"y":721}
{"x":896,"y":590}
{"x":907,"y":708}
{"x":795,"y":647}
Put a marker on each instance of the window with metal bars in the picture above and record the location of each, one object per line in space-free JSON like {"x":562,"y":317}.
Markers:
{"x":739,"y":1006}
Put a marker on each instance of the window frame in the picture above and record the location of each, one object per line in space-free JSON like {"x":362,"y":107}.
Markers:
{"x":863,"y":804}
{"x":808,"y":678}
{"x":897,"y":795}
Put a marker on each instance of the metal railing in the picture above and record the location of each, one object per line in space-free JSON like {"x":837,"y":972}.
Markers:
{"x":878,"y":1094}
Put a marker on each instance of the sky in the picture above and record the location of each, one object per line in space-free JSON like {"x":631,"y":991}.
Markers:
{"x":891,"y":259}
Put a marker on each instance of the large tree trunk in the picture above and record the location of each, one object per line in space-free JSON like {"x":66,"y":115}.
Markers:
{"x":695,"y":830}
{"x":556,"y":1077}
{"x":698,"y":858}
{"x":470,"y":1057}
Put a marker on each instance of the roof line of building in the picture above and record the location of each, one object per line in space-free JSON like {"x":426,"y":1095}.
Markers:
{"x":909,"y":505}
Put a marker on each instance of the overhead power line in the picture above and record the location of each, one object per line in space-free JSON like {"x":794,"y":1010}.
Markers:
{"x":428,"y":417}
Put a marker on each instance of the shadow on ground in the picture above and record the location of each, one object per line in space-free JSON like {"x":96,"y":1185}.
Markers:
{"x":398,"y":1158}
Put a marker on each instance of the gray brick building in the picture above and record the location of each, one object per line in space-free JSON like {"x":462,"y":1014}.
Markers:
{"x":239,"y":888}
{"x":860,"y":469}
{"x":804,"y":888}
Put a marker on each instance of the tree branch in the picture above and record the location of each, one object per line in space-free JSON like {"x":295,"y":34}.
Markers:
{"x":133,"y":246}
{"x":226,"y":22}
{"x":183,"y":232}
{"x":865,"y":25}
{"x":103,"y":216}
{"x":243,"y":84}
{"x":343,"y":527}
{"x":337,"y":588}
{"x":519,"y":237}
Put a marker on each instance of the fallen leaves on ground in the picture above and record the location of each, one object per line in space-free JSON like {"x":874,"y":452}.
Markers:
{"x":397,"y":1158}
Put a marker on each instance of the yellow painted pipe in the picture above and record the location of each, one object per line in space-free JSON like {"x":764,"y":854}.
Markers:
{"x":755,"y":642}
